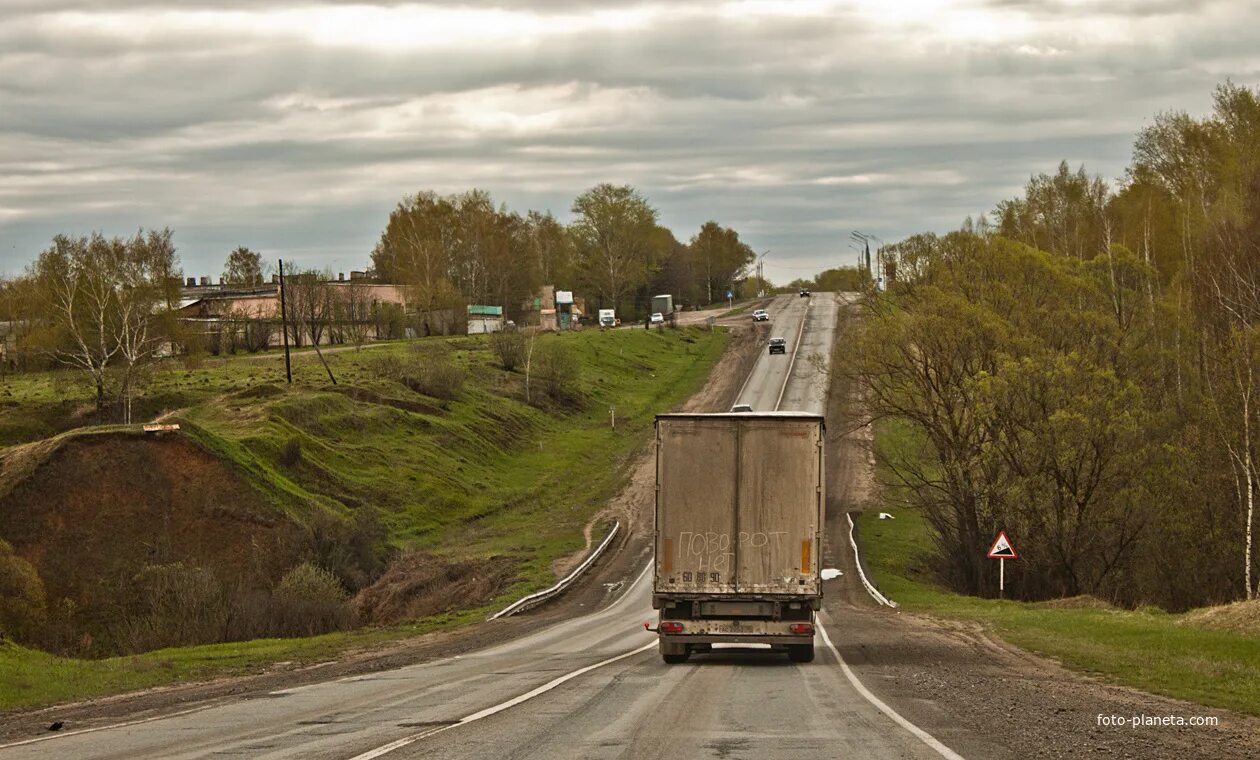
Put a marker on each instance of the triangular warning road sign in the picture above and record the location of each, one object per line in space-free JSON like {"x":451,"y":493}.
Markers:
{"x":1002,"y":548}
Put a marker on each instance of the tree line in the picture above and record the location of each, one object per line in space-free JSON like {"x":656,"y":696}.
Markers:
{"x":460,"y":249}
{"x":1084,"y":372}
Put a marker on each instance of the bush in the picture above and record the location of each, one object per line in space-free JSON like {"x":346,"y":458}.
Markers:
{"x":509,"y":347}
{"x":557,"y":369}
{"x":434,"y":373}
{"x":23,"y":610}
{"x":176,"y":605}
{"x":384,"y":366}
{"x":355,"y":551}
{"x":309,"y":601}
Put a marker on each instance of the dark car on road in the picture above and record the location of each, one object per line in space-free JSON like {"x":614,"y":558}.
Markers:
{"x":804,"y":293}
{"x":778,"y":346}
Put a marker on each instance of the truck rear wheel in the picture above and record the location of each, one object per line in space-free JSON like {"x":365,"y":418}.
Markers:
{"x":673,"y":652}
{"x":801,"y":652}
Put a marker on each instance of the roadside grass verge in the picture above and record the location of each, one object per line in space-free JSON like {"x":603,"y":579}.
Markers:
{"x":30,"y":678}
{"x":1145,"y":649}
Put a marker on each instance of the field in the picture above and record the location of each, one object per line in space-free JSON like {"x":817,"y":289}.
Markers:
{"x":1207,"y":656}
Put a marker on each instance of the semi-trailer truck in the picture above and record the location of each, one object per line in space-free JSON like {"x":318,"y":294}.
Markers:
{"x":663,"y":304}
{"x":739,"y":519}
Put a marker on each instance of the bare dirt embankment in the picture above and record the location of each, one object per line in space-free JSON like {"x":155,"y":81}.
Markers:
{"x":87,"y":512}
{"x":98,"y":505}
{"x":978,"y":695}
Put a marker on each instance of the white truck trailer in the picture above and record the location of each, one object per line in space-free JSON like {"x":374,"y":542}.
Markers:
{"x":663,"y":304}
{"x":739,"y":520}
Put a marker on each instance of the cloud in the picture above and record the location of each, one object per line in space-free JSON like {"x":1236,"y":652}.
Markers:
{"x":294,"y":127}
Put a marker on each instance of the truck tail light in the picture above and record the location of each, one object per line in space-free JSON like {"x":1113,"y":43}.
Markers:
{"x":801,"y":629}
{"x":671,"y":626}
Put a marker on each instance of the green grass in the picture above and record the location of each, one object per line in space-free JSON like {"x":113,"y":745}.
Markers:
{"x":1145,"y":649}
{"x":480,"y":475}
{"x":30,"y":678}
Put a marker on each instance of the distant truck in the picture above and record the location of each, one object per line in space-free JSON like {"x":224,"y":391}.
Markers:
{"x":664,"y":304}
{"x":739,"y":520}
{"x":607,"y":318}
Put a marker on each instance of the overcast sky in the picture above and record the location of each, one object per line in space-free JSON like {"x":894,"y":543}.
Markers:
{"x":294,"y":127}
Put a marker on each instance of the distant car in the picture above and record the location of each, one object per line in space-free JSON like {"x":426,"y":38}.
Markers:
{"x":761,"y":315}
{"x":742,"y":408}
{"x":778,"y":346}
{"x":804,"y":293}
{"x":658,"y":318}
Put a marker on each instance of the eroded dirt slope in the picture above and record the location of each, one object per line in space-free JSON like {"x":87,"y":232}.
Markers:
{"x":99,"y":508}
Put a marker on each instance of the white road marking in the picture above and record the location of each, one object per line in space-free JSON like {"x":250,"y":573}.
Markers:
{"x":486,"y":713}
{"x":125,"y":724}
{"x":879,"y":704}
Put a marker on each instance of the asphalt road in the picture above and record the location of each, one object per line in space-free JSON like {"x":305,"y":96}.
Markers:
{"x":590,"y":687}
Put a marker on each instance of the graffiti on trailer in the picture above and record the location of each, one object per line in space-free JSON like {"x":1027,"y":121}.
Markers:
{"x":711,"y":552}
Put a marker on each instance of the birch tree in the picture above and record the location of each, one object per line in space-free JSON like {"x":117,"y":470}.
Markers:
{"x":613,"y":235}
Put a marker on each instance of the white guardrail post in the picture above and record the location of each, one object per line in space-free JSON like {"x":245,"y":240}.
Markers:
{"x":538,"y":597}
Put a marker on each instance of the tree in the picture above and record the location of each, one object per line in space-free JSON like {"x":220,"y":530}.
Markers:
{"x":243,"y":268}
{"x":147,"y":297}
{"x":1062,"y":213}
{"x":312,"y":307}
{"x":353,"y":312}
{"x":107,"y":302}
{"x":720,"y":257}
{"x":613,"y":237}
{"x":550,"y":245}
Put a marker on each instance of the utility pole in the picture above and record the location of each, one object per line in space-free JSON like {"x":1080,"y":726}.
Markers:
{"x":876,"y":274}
{"x":284,"y":323}
{"x":865,"y":254}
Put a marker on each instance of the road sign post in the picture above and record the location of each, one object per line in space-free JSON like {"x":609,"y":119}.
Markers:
{"x":1002,"y":550}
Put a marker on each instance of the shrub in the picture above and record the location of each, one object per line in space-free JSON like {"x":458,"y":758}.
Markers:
{"x":384,"y":366}
{"x":434,"y":373}
{"x":23,"y":610}
{"x":509,"y":347}
{"x":309,"y":601}
{"x":175,"y":605}
{"x":558,"y":371}
{"x":355,"y":551}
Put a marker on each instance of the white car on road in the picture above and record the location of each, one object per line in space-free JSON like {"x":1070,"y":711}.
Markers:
{"x":658,"y":318}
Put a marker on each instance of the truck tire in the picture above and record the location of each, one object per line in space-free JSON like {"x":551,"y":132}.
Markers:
{"x":801,"y":652}
{"x":674,"y":653}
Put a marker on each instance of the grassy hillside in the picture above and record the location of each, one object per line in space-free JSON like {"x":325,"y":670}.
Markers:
{"x":467,"y":471}
{"x":1190,"y":656}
